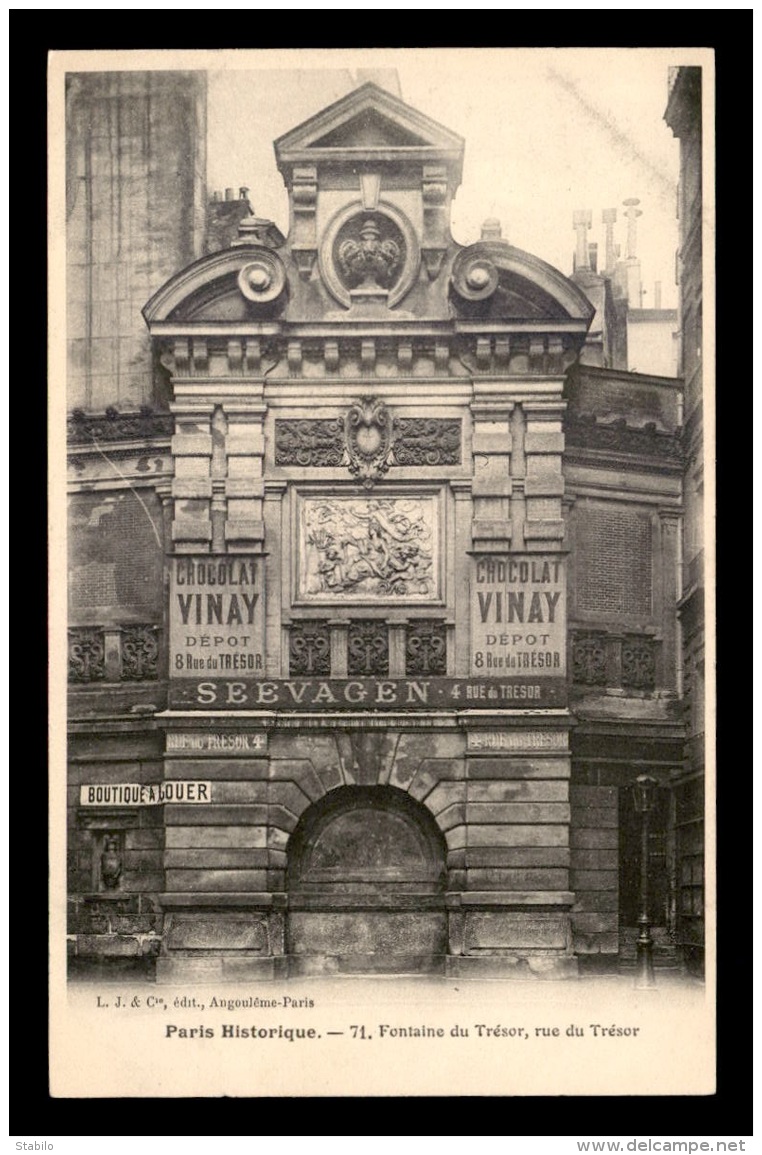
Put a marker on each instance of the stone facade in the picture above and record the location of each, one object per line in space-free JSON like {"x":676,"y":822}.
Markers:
{"x":397,"y":625}
{"x":684,"y":116}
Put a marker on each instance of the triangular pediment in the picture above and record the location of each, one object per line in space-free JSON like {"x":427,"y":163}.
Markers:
{"x":370,"y":129}
{"x":368,"y":122}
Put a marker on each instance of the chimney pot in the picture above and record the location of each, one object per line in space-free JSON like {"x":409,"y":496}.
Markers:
{"x":229,"y":194}
{"x":593,"y":254}
{"x":632,"y":215}
{"x":492,"y":230}
{"x":582,"y":220}
{"x":608,"y":216}
{"x":243,"y":193}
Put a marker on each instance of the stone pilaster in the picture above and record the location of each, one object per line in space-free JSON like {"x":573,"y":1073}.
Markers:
{"x":276,"y":654}
{"x":512,"y":917}
{"x":670,"y":523}
{"x":397,"y":650}
{"x":544,"y":482}
{"x":192,"y":484}
{"x":339,"y":636}
{"x":458,"y":663}
{"x":492,"y":484}
{"x":223,"y":900}
{"x":244,"y":485}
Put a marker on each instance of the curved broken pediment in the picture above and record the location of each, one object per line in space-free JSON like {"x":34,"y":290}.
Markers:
{"x":240,"y":283}
{"x":495,"y":281}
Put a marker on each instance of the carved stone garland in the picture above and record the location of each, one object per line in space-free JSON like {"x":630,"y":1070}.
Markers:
{"x":367,"y":441}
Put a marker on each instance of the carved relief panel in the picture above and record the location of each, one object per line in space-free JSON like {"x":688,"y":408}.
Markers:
{"x":368,"y":549}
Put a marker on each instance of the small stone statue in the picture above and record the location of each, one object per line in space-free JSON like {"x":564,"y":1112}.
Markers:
{"x":111,"y":862}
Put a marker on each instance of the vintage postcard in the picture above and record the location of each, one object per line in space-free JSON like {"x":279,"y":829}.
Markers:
{"x":381,"y":391}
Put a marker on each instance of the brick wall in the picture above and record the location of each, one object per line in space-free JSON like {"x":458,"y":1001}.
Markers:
{"x":613,"y":561}
{"x":115,"y":557}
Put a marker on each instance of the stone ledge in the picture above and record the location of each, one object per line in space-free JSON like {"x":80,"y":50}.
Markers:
{"x":116,"y":946}
{"x":191,"y":530}
{"x":398,"y":902}
{"x":192,"y":487}
{"x":489,"y":530}
{"x":512,"y":966}
{"x":191,"y":445}
{"x":209,"y":970}
{"x":244,"y":529}
{"x":492,"y":485}
{"x":518,"y":898}
{"x":364,"y":965}
{"x":544,"y":530}
{"x":174,"y":899}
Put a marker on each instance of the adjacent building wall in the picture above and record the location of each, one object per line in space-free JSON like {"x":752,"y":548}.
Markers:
{"x":136,"y":199}
{"x":683,"y":115}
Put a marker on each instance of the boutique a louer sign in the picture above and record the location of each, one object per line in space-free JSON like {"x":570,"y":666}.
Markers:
{"x":141,"y":794}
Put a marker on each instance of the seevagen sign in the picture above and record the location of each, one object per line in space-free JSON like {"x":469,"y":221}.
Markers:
{"x":341,"y":694}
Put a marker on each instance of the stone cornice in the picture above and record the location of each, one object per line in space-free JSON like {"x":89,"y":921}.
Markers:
{"x":90,"y":429}
{"x":586,"y":432}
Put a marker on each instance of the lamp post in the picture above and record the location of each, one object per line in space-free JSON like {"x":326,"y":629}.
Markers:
{"x":643,"y":793}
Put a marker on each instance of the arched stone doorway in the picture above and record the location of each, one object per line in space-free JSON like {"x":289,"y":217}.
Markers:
{"x":366,"y":881}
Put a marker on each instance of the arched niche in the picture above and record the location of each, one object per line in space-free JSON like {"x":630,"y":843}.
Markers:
{"x":366,"y":879}
{"x":367,"y":838}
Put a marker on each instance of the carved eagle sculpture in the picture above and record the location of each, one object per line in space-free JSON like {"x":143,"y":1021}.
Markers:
{"x":370,"y":259}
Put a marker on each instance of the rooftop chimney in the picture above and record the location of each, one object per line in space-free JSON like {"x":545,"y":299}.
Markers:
{"x":632,"y":215}
{"x":593,"y":252}
{"x":582,"y":220}
{"x":229,"y":194}
{"x":609,"y":219}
